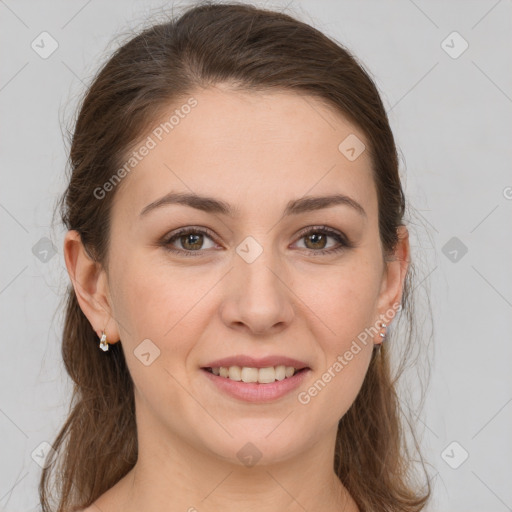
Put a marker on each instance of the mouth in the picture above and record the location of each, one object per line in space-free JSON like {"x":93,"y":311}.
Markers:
{"x":267,"y":375}
{"x":256,"y":385}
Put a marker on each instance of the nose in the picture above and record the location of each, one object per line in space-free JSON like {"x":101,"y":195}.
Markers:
{"x":257,"y":298}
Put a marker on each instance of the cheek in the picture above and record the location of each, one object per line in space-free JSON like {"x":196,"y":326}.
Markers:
{"x":342,"y":307}
{"x":340,"y":315}
{"x":165,"y":307}
{"x":343,"y":300}
{"x":159,"y":303}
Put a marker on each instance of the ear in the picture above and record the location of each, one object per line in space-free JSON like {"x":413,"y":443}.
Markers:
{"x":394,"y":274}
{"x":91,"y":286}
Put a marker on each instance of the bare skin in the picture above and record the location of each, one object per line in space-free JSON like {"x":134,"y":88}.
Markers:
{"x":256,"y":152}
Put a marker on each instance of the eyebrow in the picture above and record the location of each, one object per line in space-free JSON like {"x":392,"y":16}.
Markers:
{"x":212,"y":205}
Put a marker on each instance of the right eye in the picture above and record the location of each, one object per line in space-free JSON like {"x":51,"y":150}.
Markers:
{"x":190,"y":239}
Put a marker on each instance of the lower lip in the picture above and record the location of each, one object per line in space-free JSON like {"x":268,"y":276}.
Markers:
{"x":255,"y":392}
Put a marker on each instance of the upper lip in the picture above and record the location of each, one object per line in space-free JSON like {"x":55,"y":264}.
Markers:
{"x":254,"y":362}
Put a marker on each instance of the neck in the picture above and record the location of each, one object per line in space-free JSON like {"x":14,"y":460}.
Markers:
{"x":180,"y":478}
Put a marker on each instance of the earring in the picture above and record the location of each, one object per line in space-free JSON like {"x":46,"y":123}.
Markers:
{"x":103,"y":342}
{"x":383,"y":337}
{"x":383,"y":334}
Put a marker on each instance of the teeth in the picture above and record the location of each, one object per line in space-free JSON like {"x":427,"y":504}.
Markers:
{"x":260,"y":375}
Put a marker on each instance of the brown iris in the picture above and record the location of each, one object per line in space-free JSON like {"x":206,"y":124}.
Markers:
{"x":195,"y":239}
{"x":316,"y":238}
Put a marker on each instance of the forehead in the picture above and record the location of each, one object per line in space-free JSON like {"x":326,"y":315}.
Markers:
{"x":246,"y":147}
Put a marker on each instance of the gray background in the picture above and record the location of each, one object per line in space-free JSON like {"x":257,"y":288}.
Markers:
{"x":452,"y":122}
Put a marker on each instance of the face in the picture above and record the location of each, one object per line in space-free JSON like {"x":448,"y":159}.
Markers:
{"x":274,"y":276}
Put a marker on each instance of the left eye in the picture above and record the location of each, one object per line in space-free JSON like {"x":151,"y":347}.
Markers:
{"x":318,"y":240}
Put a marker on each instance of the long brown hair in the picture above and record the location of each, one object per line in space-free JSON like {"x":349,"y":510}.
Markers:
{"x":250,"y":49}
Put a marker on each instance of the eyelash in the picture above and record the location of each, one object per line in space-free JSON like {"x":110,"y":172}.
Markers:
{"x":340,"y":238}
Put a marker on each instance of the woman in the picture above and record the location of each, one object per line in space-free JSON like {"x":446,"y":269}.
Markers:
{"x":238,"y":254}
